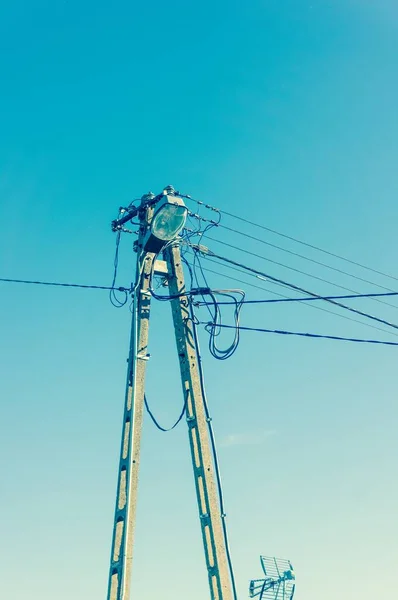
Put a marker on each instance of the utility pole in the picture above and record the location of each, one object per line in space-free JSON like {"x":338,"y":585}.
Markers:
{"x":202,"y":461}
{"x":161,"y":219}
{"x":127,"y":486}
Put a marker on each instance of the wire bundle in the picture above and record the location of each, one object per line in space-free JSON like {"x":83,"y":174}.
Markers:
{"x":214,"y":327}
{"x":198,"y":231}
{"x":210,"y":256}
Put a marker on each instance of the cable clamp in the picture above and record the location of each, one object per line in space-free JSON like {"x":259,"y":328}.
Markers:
{"x":143,"y":356}
{"x":200,"y":291}
{"x":201,"y":249}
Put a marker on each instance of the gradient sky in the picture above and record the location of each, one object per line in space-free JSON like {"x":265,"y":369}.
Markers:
{"x":283,"y":112}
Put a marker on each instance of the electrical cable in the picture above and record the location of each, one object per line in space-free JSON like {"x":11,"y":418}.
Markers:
{"x":200,"y":290}
{"x":214,"y":328}
{"x":262,"y":278}
{"x":215,"y":455}
{"x":167,"y":298}
{"x":112,"y":294}
{"x":215,"y":313}
{"x":293,"y":239}
{"x":258,"y":287}
{"x":156,"y":422}
{"x":236,"y":269}
{"x":299,"y":270}
{"x":310,"y":298}
{"x":130,"y":384}
{"x":60,"y":284}
{"x":283,"y":298}
{"x":298,"y":288}
{"x":309,"y":335}
{"x":196,"y":258}
{"x":317,"y":262}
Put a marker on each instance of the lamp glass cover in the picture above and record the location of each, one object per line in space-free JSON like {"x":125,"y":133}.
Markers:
{"x":168,"y":221}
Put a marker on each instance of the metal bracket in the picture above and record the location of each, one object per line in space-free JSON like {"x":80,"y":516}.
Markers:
{"x":160,"y":267}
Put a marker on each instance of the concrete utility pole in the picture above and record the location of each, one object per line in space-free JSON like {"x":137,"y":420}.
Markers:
{"x":158,"y":231}
{"x":202,"y":462}
{"x":127,"y":486}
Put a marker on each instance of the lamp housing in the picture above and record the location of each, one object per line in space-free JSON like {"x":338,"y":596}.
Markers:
{"x":169,"y":218}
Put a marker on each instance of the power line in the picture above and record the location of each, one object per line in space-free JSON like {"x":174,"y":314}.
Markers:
{"x":275,"y":262}
{"x":59,"y":284}
{"x":306,"y":334}
{"x":298,"y":241}
{"x":283,"y":298}
{"x":258,"y":287}
{"x":297,"y":288}
{"x":309,"y":298}
{"x":208,"y":259}
{"x":312,"y":260}
{"x":294,"y":239}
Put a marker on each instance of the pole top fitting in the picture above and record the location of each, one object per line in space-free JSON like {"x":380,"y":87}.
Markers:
{"x":148,"y":196}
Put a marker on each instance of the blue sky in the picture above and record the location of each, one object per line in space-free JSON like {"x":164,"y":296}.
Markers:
{"x":284,"y":113}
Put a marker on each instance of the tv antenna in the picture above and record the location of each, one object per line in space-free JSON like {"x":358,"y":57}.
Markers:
{"x":279,"y":582}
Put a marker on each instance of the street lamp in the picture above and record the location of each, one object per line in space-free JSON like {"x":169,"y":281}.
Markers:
{"x":167,"y":222}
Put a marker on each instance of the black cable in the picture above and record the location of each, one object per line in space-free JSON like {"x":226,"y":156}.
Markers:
{"x":317,"y":262}
{"x":188,"y":293}
{"x":215,"y":313}
{"x":284,"y":298}
{"x":275,"y":262}
{"x":300,"y":289}
{"x":196,"y":259}
{"x":214,"y":329}
{"x":59,"y":284}
{"x":193,"y":273}
{"x":167,"y":298}
{"x":112,"y":294}
{"x":255,"y":276}
{"x":301,"y":334}
{"x":214,"y":452}
{"x":189,"y":266}
{"x":157,"y":423}
{"x":310,"y":298}
{"x":293,"y":239}
{"x":258,"y":287}
{"x":212,"y":438}
{"x":288,"y":237}
{"x":198,"y":230}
